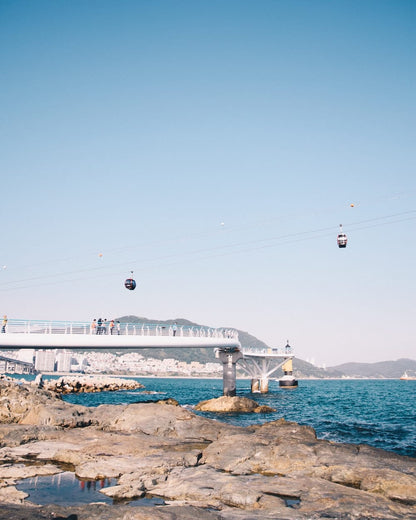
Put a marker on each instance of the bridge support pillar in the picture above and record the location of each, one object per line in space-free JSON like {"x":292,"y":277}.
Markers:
{"x":229,"y":360}
{"x":259,"y":385}
{"x":264,"y":385}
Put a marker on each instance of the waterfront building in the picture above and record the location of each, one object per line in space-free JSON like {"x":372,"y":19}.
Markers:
{"x":27,"y":355}
{"x":45,"y":361}
{"x":64,"y":361}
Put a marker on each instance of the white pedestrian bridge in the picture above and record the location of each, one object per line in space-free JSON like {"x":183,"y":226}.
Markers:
{"x":80,"y":335}
{"x":259,"y":364}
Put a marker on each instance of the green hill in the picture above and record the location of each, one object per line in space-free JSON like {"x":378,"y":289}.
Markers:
{"x":302,"y":369}
{"x":203,"y":355}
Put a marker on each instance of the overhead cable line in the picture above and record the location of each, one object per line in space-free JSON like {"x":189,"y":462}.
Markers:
{"x":225,"y":250}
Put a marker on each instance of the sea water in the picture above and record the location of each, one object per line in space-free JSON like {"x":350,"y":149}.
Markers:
{"x":381,"y":413}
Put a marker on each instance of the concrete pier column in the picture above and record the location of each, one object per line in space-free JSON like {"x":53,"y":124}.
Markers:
{"x":255,"y":386}
{"x":229,"y":359}
{"x":264,"y":385}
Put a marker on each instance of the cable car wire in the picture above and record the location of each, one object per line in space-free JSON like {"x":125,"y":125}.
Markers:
{"x":225,"y":250}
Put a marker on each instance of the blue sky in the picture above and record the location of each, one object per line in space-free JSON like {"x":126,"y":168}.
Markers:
{"x":213,"y":148}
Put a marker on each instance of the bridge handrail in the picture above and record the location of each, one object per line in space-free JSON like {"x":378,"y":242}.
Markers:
{"x":269,"y":351}
{"x":120,"y":328}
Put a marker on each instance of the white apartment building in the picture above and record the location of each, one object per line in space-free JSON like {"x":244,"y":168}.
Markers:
{"x":27,"y":355}
{"x":63,"y":361}
{"x":45,"y":361}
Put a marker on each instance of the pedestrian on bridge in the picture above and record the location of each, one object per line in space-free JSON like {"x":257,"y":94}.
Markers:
{"x":93,"y":326}
{"x":3,"y":327}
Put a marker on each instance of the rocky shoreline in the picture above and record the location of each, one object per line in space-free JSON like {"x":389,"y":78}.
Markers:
{"x":201,"y":468}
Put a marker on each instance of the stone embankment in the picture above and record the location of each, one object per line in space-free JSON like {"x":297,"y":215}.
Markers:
{"x":85,"y":384}
{"x":202,"y":468}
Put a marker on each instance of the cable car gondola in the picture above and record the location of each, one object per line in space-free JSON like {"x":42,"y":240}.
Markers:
{"x":341,"y":238}
{"x":130,"y":283}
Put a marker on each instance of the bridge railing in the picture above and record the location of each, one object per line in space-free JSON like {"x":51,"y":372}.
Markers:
{"x":268,"y":352}
{"x":118,"y":328}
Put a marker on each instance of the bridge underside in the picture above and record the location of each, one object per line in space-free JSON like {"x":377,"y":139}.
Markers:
{"x":261,"y":367}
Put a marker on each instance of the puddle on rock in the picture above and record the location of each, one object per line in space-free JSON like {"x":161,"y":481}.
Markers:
{"x":292,"y":502}
{"x":65,"y":489}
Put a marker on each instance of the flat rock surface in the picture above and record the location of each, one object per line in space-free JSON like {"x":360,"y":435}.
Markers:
{"x":201,"y":468}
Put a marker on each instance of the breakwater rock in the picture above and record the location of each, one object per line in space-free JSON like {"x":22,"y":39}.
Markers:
{"x":80,"y":384}
{"x":202,"y":468}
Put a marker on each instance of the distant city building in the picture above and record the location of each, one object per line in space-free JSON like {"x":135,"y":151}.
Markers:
{"x":79,"y":363}
{"x":63,"y":361}
{"x":27,"y":355}
{"x":130,"y":363}
{"x":45,"y":361}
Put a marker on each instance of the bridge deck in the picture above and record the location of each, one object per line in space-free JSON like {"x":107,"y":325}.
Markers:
{"x":78,"y":335}
{"x":93,"y":342}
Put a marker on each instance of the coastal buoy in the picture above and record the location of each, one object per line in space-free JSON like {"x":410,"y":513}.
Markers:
{"x":288,"y":380}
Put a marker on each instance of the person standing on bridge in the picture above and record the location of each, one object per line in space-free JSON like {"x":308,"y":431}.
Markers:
{"x":111,"y":327}
{"x":174,"y":328}
{"x":3,"y":327}
{"x":93,"y":326}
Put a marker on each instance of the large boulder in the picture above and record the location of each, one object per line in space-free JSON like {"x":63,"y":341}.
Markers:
{"x":25,"y":404}
{"x":232,"y":404}
{"x":165,"y":420}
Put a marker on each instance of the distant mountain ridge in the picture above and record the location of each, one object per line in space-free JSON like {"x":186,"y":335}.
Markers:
{"x":381,"y":369}
{"x":302,"y":369}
